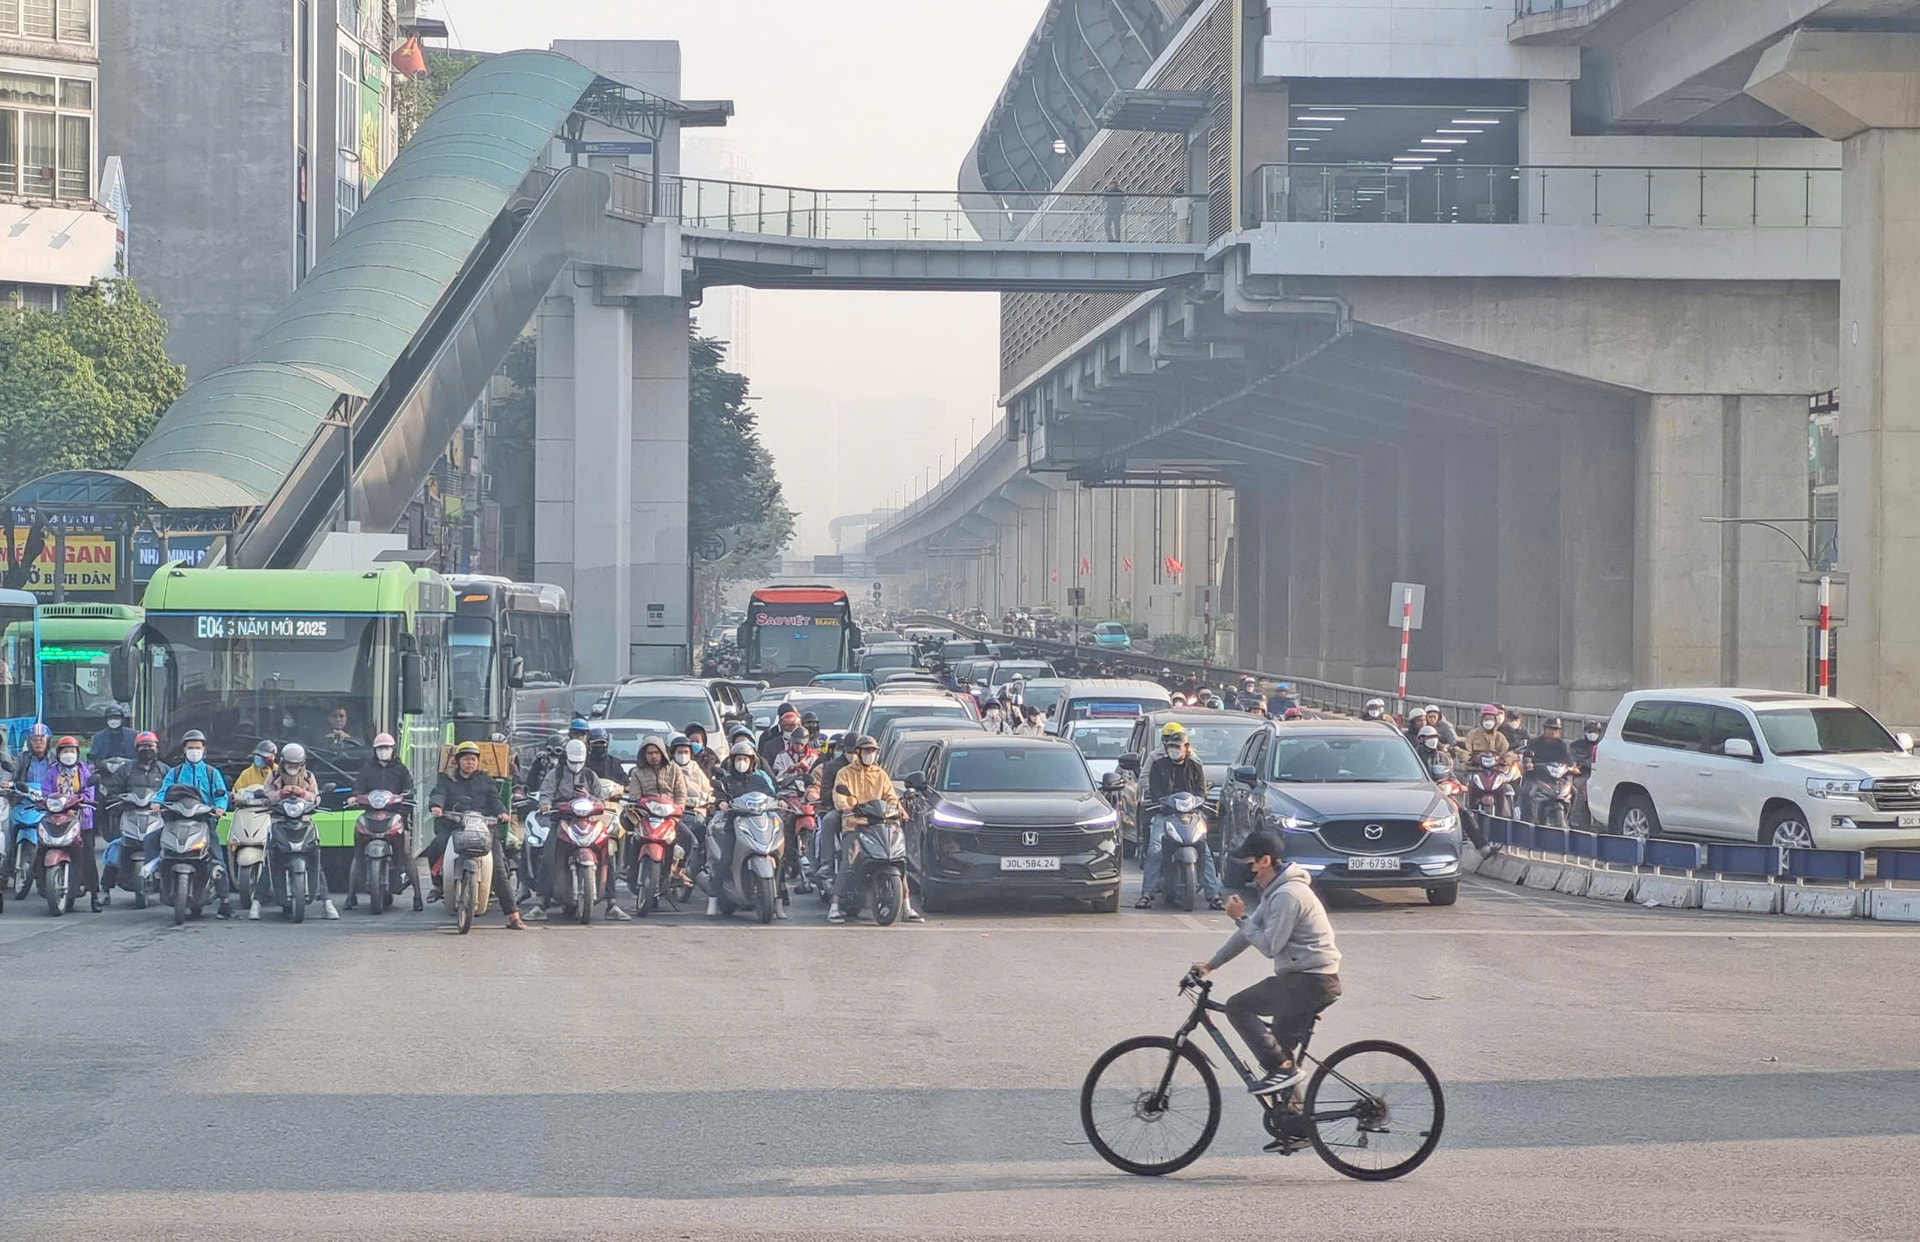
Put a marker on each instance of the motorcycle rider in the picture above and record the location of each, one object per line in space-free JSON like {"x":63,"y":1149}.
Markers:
{"x":266,"y":757}
{"x":28,"y":773}
{"x":1174,"y":770}
{"x":795,"y":757}
{"x":293,"y":779}
{"x":573,"y":776}
{"x":467,"y":786}
{"x":1488,"y":736}
{"x":820,"y":793}
{"x":1516,"y":733}
{"x":994,"y":716}
{"x":1376,"y":709}
{"x":774,"y":739}
{"x":1582,"y":747}
{"x":1548,"y":748}
{"x":193,"y":769}
{"x":703,"y":756}
{"x":385,"y":772}
{"x":742,"y":775}
{"x":1282,"y":700}
{"x":548,"y":759}
{"x":116,"y":740}
{"x":71,"y":777}
{"x":810,"y":721}
{"x":864,"y":780}
{"x":600,"y":758}
{"x":143,"y":772}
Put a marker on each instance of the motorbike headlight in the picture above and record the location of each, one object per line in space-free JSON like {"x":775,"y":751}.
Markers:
{"x":1821,"y":788}
{"x":1100,"y":819}
{"x":948,"y":818}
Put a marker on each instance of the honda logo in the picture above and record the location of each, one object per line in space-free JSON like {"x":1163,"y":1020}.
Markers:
{"x":1375,"y":832}
{"x":1029,"y":838}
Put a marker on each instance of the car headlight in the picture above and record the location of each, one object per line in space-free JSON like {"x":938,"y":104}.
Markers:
{"x":953,"y":819}
{"x":1818,"y":787}
{"x":1100,"y":819}
{"x":1445,"y":822}
{"x":1293,"y":823}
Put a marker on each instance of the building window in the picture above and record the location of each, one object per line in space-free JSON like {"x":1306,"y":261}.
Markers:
{"x":36,"y":19}
{"x":346,"y":191}
{"x":350,"y":14}
{"x":30,"y":297}
{"x":44,"y":153}
{"x":38,"y":153}
{"x":76,"y":167}
{"x":9,"y":17}
{"x":76,"y":21}
{"x":20,"y":88}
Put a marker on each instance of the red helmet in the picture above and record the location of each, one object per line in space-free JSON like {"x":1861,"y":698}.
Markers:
{"x":147,"y":739}
{"x":383,"y":739}
{"x":65,"y":742}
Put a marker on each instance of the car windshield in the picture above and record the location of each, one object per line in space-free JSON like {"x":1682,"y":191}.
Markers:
{"x":1825,"y":731}
{"x":835,"y":713}
{"x":623,"y":743}
{"x":1109,"y":742}
{"x":76,"y":686}
{"x":880,"y":717}
{"x":1004,"y":673}
{"x":1027,"y":769}
{"x":886,"y":659}
{"x":644,"y":703}
{"x":1339,"y":758}
{"x":1044,"y":697}
{"x":1219,"y":743}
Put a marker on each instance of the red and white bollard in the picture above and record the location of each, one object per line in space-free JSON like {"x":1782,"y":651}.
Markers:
{"x":1406,"y":639}
{"x":1825,"y":641}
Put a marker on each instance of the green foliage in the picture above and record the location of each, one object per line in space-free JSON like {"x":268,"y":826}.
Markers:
{"x":82,"y":389}
{"x":1178,"y":647}
{"x":732,"y":488}
{"x":414,"y":99}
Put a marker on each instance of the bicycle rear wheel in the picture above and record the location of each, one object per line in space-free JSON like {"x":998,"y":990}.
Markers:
{"x":1150,"y":1106}
{"x":1374,"y":1110}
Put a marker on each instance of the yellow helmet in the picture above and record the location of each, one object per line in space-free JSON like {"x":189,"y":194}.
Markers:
{"x":1172,"y":732}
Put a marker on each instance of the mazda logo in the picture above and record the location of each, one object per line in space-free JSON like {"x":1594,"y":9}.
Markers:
{"x":1029,"y":838}
{"x":1375,"y":832}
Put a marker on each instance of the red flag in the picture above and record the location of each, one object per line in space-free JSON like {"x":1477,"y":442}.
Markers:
{"x":1056,"y":575}
{"x":1086,"y":565}
{"x":1023,"y":577}
{"x":1175,"y":567}
{"x":1126,"y":563}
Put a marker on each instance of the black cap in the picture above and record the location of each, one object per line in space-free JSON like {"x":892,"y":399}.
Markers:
{"x":1552,"y":722}
{"x":1259,"y":842}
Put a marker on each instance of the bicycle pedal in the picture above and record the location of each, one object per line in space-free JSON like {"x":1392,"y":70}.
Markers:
{"x":1288,"y":1146}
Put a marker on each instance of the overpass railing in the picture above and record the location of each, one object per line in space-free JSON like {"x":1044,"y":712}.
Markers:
{"x":1530,"y":8}
{"x":907,"y":215}
{"x":1409,"y":193}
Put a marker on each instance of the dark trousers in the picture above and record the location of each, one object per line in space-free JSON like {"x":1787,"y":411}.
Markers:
{"x":1275,"y":1015}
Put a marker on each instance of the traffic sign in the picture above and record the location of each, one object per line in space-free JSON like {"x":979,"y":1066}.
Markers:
{"x":712,"y":547}
{"x":1397,"y":603}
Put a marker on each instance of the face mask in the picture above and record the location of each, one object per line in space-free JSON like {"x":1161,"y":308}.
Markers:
{"x":114,"y":722}
{"x":1173,"y":750}
{"x":195,"y":754}
{"x":1593,"y":735}
{"x":869,"y":758}
{"x":682,"y":758}
{"x":1487,"y":723}
{"x":743,"y":766}
{"x":383,"y":753}
{"x":1373,"y":713}
{"x":699,"y":748}
{"x":145,"y":756}
{"x":69,"y":757}
{"x":1431,"y":743}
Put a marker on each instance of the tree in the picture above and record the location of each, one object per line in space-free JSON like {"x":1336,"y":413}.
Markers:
{"x":732,"y":489}
{"x":414,"y":99}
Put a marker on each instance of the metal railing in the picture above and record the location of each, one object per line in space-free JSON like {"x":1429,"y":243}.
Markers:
{"x":1532,"y":8}
{"x":1562,"y":194}
{"x":908,"y":215}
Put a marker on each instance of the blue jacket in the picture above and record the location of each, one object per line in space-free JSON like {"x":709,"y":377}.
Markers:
{"x":112,"y":744}
{"x":33,"y":772}
{"x":204,"y":777}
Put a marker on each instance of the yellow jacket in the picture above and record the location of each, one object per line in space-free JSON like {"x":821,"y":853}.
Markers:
{"x":253,"y":775}
{"x":859,"y":783}
{"x":1478,"y":739}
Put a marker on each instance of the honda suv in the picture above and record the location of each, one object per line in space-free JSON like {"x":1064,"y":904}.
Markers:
{"x":1742,"y":765}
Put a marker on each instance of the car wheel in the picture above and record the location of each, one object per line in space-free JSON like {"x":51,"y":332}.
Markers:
{"x":1107,"y":903}
{"x":1786,"y":827}
{"x":1444,"y":894}
{"x":1635,"y":817}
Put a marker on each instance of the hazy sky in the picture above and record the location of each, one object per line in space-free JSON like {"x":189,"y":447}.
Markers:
{"x":868,"y":94}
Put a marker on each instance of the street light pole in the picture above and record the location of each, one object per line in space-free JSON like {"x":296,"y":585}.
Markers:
{"x":1823,"y":622}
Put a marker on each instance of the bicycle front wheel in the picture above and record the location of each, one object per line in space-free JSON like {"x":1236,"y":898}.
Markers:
{"x":1375,"y":1110}
{"x":1150,"y":1106}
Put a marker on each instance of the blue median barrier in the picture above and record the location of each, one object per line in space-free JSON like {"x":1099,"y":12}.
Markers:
{"x":1754,"y":860}
{"x":1620,"y":851}
{"x":1805,"y":864}
{"x":1675,"y":855}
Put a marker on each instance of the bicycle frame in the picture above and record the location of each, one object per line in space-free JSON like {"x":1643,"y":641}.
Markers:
{"x":1204,"y":1007}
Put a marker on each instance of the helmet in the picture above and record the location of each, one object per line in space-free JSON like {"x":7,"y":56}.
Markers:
{"x":742,"y":748}
{"x":192,"y":735}
{"x":677,"y":741}
{"x":693,"y":727}
{"x":1172,"y":731}
{"x":577,"y":725}
{"x":809,"y":720}
{"x":1431,"y":709}
{"x":1552,"y":722}
{"x":1428,"y":731}
{"x":1166,"y":671}
{"x":114,"y":709}
{"x":65,"y":742}
{"x":386,"y":739}
{"x":467,"y":748}
{"x":738,"y":731}
{"x":597,"y":734}
{"x":294,"y":753}
{"x":1376,"y":703}
{"x":576,"y":751}
{"x":865,"y":742}
{"x":1490,"y":709}
{"x":264,"y":751}
{"x":41,"y":730}
{"x":1293,"y":713}
{"x":148,"y":738}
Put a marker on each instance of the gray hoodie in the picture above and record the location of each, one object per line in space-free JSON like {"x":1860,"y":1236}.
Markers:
{"x":1289,"y":925}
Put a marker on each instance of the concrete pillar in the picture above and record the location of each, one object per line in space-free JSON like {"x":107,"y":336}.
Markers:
{"x":1528,"y":568}
{"x":1863,"y":89}
{"x":1423,"y":529}
{"x":1469,"y":581}
{"x":1306,"y":503}
{"x":583,"y":471}
{"x":1677,"y":578}
{"x":1380,"y":565}
{"x":1249,"y":578}
{"x":1767,"y":639}
{"x":1596,"y":485}
{"x":1340,"y":541}
{"x":660,"y":633}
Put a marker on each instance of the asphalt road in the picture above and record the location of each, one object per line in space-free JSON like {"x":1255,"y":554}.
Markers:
{"x":1611,"y":1072}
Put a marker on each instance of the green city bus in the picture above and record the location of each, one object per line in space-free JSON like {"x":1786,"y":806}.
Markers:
{"x":75,"y":649}
{"x":246,"y":655}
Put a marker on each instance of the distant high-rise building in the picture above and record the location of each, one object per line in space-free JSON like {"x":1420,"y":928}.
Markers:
{"x":726,"y":312}
{"x":250,"y":130}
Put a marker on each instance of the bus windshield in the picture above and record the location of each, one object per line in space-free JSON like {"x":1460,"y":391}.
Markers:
{"x":240,"y":678}
{"x":16,"y":671}
{"x":76,"y":686}
{"x":470,"y":667}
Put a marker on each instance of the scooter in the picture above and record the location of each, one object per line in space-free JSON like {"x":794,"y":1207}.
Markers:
{"x":28,"y":810}
{"x":580,"y":835}
{"x":656,"y":836}
{"x":138,"y":814}
{"x":877,"y":856}
{"x":517,"y":848}
{"x":1182,"y":823}
{"x":293,"y":854}
{"x":467,"y":877}
{"x":60,"y":842}
{"x":184,"y":858}
{"x":380,"y":834}
{"x":1550,"y":795}
{"x":247,"y":843}
{"x":803,"y":826}
{"x":1490,"y":786}
{"x":759,"y":843}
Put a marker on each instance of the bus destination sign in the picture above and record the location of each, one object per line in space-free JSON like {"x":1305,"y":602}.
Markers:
{"x":229,"y":626}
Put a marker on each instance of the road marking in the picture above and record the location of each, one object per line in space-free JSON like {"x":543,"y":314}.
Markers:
{"x":1730,"y":932}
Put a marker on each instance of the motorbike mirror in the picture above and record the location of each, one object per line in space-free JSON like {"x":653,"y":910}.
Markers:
{"x":1245,"y":774}
{"x":1129,"y":763}
{"x":916,"y":781}
{"x":120,"y":674}
{"x":1737,"y":748}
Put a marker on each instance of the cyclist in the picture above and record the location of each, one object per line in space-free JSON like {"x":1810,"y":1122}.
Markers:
{"x":1290,"y":926}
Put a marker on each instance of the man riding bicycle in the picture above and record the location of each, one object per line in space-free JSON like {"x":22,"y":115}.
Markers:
{"x":1290,"y":926}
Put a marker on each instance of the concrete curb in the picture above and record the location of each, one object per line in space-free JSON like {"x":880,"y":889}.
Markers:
{"x":1668,"y":891}
{"x":1893,"y":905}
{"x":1611,"y":885}
{"x":1544,"y":876}
{"x":1505,"y":867}
{"x":1821,"y":903}
{"x":1574,"y":881}
{"x":1740,"y":896}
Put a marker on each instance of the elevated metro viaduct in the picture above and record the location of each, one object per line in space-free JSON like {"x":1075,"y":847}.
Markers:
{"x":1504,"y":306}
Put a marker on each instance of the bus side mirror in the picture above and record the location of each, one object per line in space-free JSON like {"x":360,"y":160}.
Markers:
{"x":855,"y":639}
{"x":413,"y":694}
{"x":740,"y":636}
{"x":120,"y":674}
{"x":516,"y":672}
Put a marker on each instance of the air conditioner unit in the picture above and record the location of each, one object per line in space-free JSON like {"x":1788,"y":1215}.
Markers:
{"x":486,"y":483}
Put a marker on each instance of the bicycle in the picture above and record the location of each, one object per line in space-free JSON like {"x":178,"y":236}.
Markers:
{"x":1134,"y":1084}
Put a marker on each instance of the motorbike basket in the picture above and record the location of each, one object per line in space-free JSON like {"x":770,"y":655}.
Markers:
{"x":472,"y":842}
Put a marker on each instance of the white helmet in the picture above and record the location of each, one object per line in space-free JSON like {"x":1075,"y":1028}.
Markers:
{"x":576,"y":752}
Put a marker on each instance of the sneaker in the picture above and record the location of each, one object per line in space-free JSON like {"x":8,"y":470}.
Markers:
{"x":418,"y":905}
{"x":713,"y":907}
{"x":536,"y":915}
{"x":912,"y":915}
{"x":353,"y":902}
{"x":1279,"y":1080}
{"x":835,"y":914}
{"x":331,"y":912}
{"x":780,"y":911}
{"x":253,"y":911}
{"x":618,"y":915}
{"x":225,"y":911}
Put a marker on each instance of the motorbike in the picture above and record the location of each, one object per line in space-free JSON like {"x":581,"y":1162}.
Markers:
{"x":293,"y":854}
{"x":656,"y":837}
{"x":516,"y":849}
{"x":1182,"y":824}
{"x":380,"y":834}
{"x":535,"y":828}
{"x":58,"y":842}
{"x":877,"y":862}
{"x":184,"y":859}
{"x":1490,"y":786}
{"x":137,"y":815}
{"x":752,"y":878}
{"x":28,"y":811}
{"x":467,"y":875}
{"x":803,"y":827}
{"x":247,"y":842}
{"x":580,"y":835}
{"x":1550,"y":795}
